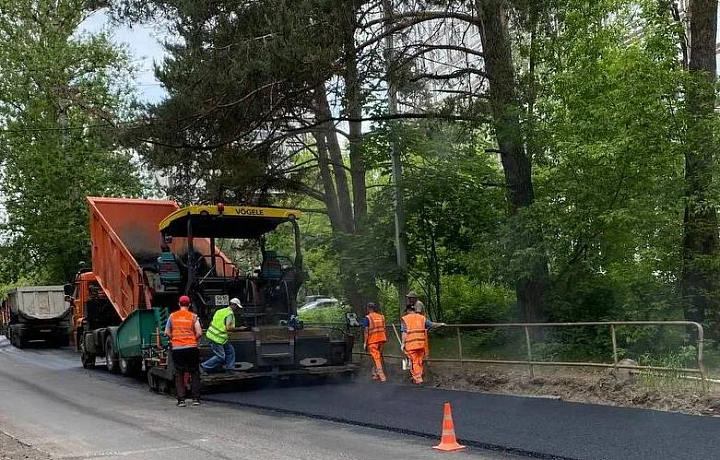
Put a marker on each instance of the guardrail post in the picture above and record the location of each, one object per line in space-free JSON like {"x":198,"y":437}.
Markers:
{"x":460,"y":351}
{"x":700,"y":359}
{"x":529,"y":352}
{"x":614,"y":344}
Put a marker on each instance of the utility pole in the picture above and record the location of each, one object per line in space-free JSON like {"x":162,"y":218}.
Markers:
{"x":402,"y":264}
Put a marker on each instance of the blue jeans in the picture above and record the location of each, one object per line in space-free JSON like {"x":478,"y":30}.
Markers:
{"x":223,"y":356}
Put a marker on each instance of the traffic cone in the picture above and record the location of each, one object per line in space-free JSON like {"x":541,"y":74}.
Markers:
{"x":448,"y":441}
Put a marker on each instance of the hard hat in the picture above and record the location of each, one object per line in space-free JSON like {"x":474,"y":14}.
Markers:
{"x":184,"y":301}
{"x":412,"y":295}
{"x":236,"y":301}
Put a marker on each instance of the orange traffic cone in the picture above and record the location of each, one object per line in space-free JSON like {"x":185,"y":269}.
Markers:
{"x":448,"y":441}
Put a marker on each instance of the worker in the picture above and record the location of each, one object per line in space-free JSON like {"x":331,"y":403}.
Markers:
{"x":415,"y":302}
{"x":184,"y":330}
{"x":223,"y":352}
{"x":169,"y":266}
{"x":414,"y":327}
{"x":375,"y":338}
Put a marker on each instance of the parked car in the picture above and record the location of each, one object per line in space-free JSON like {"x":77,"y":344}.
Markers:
{"x":322,"y":302}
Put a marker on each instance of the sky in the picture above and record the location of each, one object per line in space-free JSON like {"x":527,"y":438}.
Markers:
{"x":144,"y":45}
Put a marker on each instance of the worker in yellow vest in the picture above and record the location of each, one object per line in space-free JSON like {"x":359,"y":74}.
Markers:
{"x":414,"y":327}
{"x":184,"y":330}
{"x":375,"y":338}
{"x":217,"y":334}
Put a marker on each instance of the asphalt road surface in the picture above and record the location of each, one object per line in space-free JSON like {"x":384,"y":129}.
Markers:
{"x":49,"y":402}
{"x":536,"y":427}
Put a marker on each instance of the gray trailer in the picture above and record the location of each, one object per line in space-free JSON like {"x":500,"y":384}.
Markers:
{"x":37,"y":313}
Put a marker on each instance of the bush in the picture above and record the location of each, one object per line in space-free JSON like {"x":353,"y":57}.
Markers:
{"x":466,"y":301}
{"x":325,"y":315}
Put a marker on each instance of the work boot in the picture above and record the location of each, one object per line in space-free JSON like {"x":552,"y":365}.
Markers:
{"x":181,"y":403}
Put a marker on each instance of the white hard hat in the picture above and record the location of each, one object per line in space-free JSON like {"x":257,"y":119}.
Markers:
{"x":236,"y":301}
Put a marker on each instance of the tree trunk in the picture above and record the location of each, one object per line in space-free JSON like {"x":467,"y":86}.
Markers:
{"x":495,"y":37}
{"x":331,"y":201}
{"x":336,"y":159}
{"x":353,"y":107}
{"x":699,"y":278}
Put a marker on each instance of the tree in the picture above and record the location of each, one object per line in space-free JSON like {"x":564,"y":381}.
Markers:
{"x":701,"y":269}
{"x":494,"y":97}
{"x":611,"y":175}
{"x":253,"y":87}
{"x":61,"y":96}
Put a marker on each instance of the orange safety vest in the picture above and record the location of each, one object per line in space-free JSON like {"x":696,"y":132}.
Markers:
{"x":182,"y":328}
{"x":376,"y":330}
{"x":416,"y":334}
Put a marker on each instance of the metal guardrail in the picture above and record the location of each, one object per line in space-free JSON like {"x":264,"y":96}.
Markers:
{"x":531,"y":363}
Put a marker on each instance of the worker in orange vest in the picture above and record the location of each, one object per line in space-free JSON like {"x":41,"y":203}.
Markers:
{"x":375,"y":338}
{"x":414,"y":327}
{"x":184,"y":330}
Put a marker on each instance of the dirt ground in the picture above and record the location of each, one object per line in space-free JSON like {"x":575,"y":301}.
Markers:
{"x":654,"y":391}
{"x":11,"y":449}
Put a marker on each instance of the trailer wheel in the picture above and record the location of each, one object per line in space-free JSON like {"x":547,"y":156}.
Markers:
{"x":111,"y":359}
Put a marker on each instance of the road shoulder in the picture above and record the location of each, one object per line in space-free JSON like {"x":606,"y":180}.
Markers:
{"x":12,"y":449}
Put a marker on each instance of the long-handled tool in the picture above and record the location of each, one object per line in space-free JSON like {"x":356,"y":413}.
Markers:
{"x":405,"y":362}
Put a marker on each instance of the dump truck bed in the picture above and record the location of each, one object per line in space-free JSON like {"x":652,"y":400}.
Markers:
{"x":124,"y":235}
{"x":38,"y":302}
{"x":125,"y":240}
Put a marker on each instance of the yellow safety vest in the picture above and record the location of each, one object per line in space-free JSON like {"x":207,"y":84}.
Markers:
{"x":217,"y":332}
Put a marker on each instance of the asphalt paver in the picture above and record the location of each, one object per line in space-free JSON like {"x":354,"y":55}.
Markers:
{"x":535,"y":427}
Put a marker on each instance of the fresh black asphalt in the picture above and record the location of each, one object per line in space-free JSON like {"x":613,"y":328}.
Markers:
{"x":541,"y":428}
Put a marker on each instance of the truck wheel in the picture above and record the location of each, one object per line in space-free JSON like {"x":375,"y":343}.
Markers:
{"x":130,"y":367}
{"x":111,"y":358}
{"x":20,"y":341}
{"x":136,"y":367}
{"x":88,"y":359}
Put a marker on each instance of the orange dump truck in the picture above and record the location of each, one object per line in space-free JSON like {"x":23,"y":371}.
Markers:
{"x":125,"y":243}
{"x":146,"y":253}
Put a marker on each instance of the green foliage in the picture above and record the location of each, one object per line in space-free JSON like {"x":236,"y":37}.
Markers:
{"x":453,"y":203}
{"x":602,"y":96}
{"x":57,"y":87}
{"x":467,"y":302}
{"x":611,"y":180}
{"x":239,"y":72}
{"x":20,"y":282}
{"x":325,"y":315}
